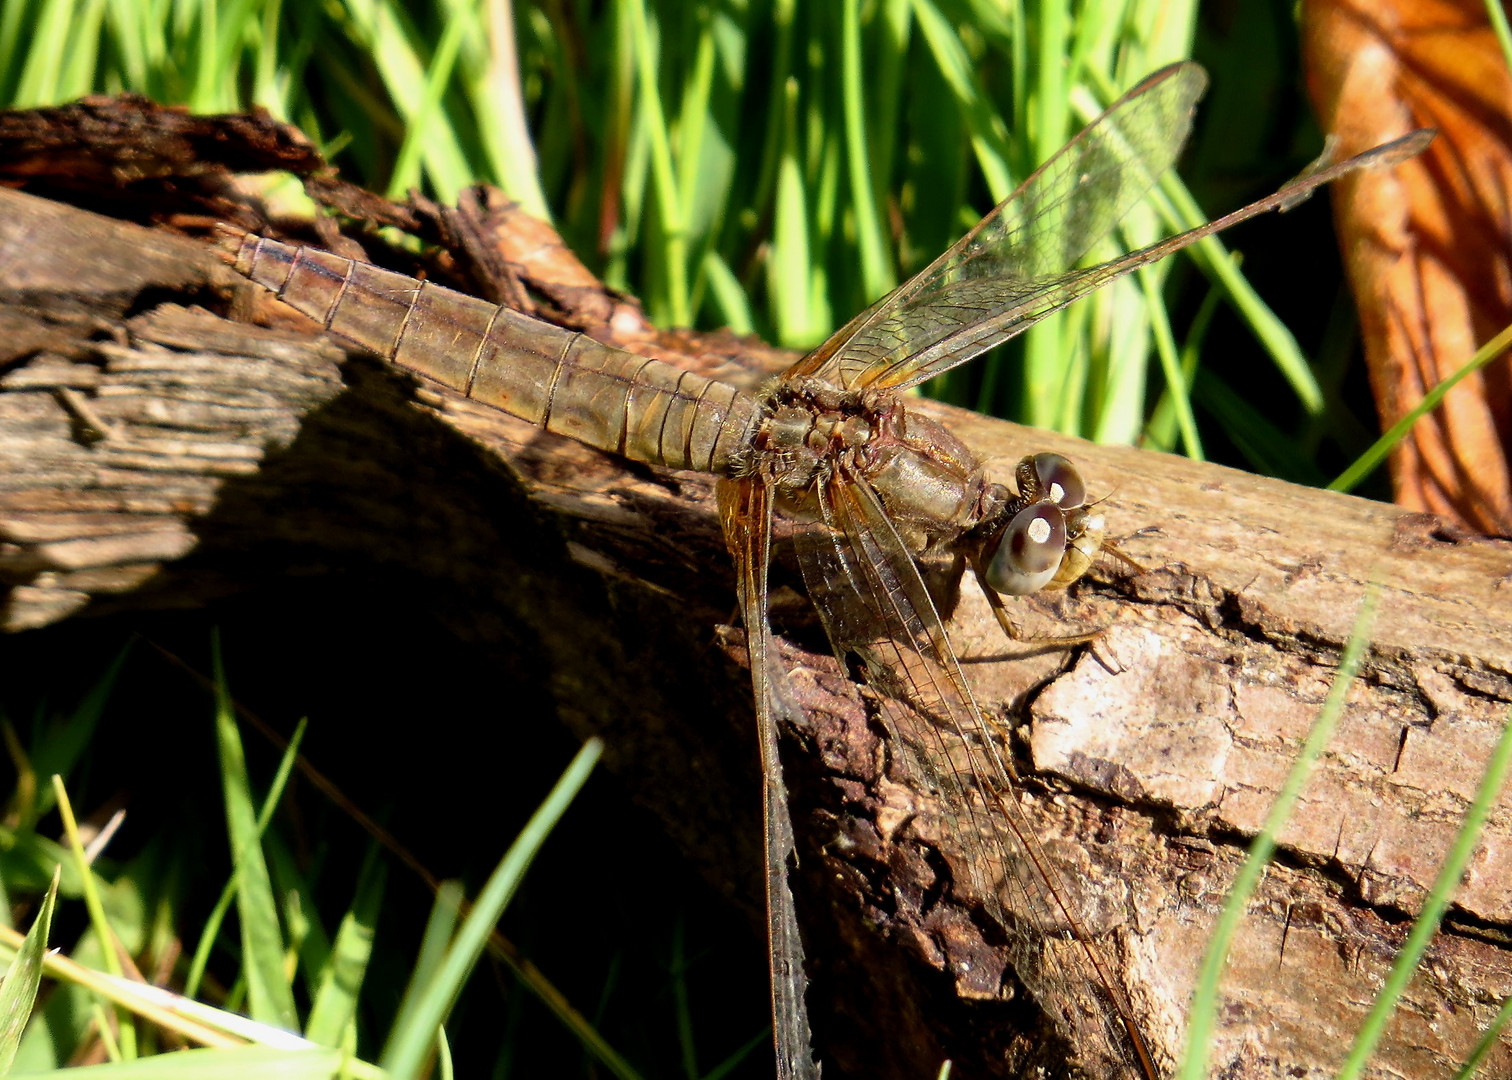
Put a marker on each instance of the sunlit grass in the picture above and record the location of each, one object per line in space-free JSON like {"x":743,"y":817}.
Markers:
{"x":1376,"y":455}
{"x":766,"y":165}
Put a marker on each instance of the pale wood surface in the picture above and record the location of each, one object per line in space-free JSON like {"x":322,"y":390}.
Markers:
{"x":153,"y":455}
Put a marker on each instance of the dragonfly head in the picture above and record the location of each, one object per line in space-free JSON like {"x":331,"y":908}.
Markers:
{"x":1051,"y":478}
{"x":1051,"y":536}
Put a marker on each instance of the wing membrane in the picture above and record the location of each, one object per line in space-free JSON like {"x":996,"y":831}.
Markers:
{"x":1018,"y":264}
{"x":875,"y":604}
{"x":995,"y":280}
{"x":745,"y":510}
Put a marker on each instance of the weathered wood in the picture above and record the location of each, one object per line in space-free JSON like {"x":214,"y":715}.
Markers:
{"x":152,"y":454}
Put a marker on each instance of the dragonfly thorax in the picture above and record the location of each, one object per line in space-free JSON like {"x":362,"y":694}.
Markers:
{"x":806,"y":427}
{"x":813,"y":434}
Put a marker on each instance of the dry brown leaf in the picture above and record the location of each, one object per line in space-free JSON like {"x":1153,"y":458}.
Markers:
{"x":1426,"y":245}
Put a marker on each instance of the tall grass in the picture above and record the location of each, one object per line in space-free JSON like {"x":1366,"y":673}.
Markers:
{"x":764,"y":164}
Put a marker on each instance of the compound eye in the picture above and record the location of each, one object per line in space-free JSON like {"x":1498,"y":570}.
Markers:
{"x":1030,"y":551}
{"x":1059,"y":481}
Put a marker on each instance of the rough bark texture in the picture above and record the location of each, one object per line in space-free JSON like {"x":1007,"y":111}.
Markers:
{"x":156,"y":454}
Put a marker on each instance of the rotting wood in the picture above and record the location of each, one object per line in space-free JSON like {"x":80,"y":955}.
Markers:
{"x":1152,"y":756}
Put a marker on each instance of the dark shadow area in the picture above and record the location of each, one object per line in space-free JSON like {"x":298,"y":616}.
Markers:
{"x":383,"y":578}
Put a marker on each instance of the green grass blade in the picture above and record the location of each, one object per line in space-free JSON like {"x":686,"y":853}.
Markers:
{"x":208,"y":22}
{"x":13,"y":16}
{"x":1371,"y":459}
{"x":107,"y":1034}
{"x":1170,"y":367}
{"x":624,"y":241}
{"x":1162,"y":430}
{"x":1050,"y":362}
{"x":336,"y":999}
{"x":67,"y":741}
{"x":105,"y":934}
{"x":439,"y":927}
{"x":229,"y":891}
{"x":788,"y":268}
{"x":1268,"y":449}
{"x":307,"y":947}
{"x":236,"y":1063}
{"x":502,"y":116}
{"x":269,"y":996}
{"x":1498,"y":15}
{"x":1200,"y":1020}
{"x":1489,"y":1040}
{"x":693,"y":122}
{"x":673,"y":308}
{"x":617,"y":120}
{"x":219,"y":90}
{"x":533,"y":980}
{"x":435,"y":997}
{"x":1053,"y":81}
{"x":384,"y":30}
{"x":1427,"y":922}
{"x":43,"y":64}
{"x":18,"y":991}
{"x":876,"y":270}
{"x":1216,"y":262}
{"x":273,"y":52}
{"x":827,"y":154}
{"x":406,"y":173}
{"x":739,"y":1057}
{"x":83,"y":56}
{"x":776,"y":106}
{"x":989,"y":135}
{"x":445,"y":1069}
{"x":885,"y":90}
{"x":729,"y":297}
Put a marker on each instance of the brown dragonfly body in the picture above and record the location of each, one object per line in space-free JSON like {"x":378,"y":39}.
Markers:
{"x":871,"y":487}
{"x":801,"y":433}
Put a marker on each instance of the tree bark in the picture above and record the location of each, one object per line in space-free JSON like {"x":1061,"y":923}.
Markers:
{"x":155,"y":454}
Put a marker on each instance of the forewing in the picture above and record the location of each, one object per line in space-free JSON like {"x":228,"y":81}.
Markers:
{"x":745,"y":510}
{"x":1016,"y":266}
{"x":875,"y":606}
{"x":1008,"y":271}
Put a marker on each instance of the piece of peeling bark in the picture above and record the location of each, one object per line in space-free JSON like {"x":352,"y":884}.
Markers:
{"x":233,"y":455}
{"x":149,"y":162}
{"x":1427,"y":245}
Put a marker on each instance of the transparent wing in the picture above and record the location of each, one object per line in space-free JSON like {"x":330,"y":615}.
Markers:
{"x":1017,"y":265}
{"x":993,"y":282}
{"x":745,"y":511}
{"x":875,"y":605}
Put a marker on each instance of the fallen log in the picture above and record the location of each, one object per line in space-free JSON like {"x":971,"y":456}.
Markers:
{"x":155,"y":454}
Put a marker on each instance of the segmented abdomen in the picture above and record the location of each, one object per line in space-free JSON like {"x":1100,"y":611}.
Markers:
{"x":632,"y":405}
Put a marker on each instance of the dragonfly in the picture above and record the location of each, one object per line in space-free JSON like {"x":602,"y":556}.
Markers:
{"x":869,"y":491}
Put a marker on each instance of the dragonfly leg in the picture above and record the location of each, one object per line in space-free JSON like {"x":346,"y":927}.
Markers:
{"x":1118,"y":553}
{"x":1102,"y":652}
{"x":1011,"y":629}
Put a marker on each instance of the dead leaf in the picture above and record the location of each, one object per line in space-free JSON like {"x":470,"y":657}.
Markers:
{"x":1426,"y":244}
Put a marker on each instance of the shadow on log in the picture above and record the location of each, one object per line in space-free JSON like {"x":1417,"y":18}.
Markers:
{"x":156,"y":455}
